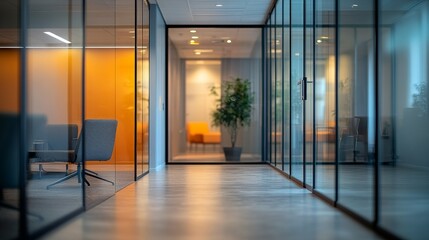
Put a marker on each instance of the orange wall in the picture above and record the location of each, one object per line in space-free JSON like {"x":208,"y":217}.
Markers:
{"x":110,"y":94}
{"x":9,"y":80}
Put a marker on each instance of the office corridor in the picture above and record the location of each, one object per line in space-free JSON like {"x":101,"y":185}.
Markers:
{"x":213,"y":202}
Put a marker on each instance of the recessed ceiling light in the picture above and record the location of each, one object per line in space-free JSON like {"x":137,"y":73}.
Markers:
{"x":197,"y":53}
{"x":219,"y":5}
{"x":324,"y":37}
{"x":319,"y":41}
{"x":194,"y":37}
{"x":193,"y":31}
{"x":57,"y":37}
{"x":355,"y":5}
{"x":193,"y":42}
{"x":297,"y":54}
{"x":229,"y":41}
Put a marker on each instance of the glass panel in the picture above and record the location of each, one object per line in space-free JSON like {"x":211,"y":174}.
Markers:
{"x":309,"y":42}
{"x":268,"y":89}
{"x":124,"y":93}
{"x":356,"y":103}
{"x":100,"y":85}
{"x":54,"y":100}
{"x":9,"y":114}
{"x":279,"y":84}
{"x":325,"y":98}
{"x":142,"y":129}
{"x":286,"y":85}
{"x":145,"y":87}
{"x":273,"y":76}
{"x":201,"y":59}
{"x":403,"y":120}
{"x":297,"y":59}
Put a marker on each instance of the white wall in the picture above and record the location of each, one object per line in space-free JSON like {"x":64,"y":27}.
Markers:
{"x":200,"y":77}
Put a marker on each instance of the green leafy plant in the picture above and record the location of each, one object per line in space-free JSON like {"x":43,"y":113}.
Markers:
{"x":420,"y":98}
{"x":234,"y":106}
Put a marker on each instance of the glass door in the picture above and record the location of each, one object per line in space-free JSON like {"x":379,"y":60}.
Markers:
{"x":297,"y":87}
{"x":308,"y":108}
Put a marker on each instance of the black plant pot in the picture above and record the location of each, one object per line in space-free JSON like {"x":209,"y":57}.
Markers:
{"x":232,"y":154}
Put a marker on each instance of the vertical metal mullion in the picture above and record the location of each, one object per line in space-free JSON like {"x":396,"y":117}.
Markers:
{"x":290,"y":87}
{"x":269,"y":73}
{"x":135,"y":89}
{"x":314,"y":94}
{"x":22,"y":131}
{"x":262,"y":84}
{"x":377,"y":118}
{"x":304,"y":71}
{"x":337,"y":61}
{"x":275,"y":86}
{"x":82,"y":135}
{"x":282,"y":89}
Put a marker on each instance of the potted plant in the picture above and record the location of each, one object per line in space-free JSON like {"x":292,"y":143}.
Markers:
{"x":233,"y":110}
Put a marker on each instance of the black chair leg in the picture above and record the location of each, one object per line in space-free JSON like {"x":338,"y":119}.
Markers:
{"x":95,"y":176}
{"x":62,"y":179}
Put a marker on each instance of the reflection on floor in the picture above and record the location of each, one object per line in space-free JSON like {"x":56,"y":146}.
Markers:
{"x":213,"y":202}
{"x":213,"y":158}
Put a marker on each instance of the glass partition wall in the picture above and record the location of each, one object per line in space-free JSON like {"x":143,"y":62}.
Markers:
{"x":200,"y":60}
{"x":358,"y":126}
{"x":56,"y":73}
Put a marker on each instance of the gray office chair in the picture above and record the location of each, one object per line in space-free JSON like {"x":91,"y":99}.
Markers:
{"x":99,"y":141}
{"x":59,"y":143}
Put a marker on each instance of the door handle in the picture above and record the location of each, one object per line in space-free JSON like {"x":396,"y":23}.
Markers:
{"x":304,"y":89}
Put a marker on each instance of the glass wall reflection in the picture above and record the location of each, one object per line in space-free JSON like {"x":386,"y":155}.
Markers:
{"x":201,"y":59}
{"x":54,"y":107}
{"x":10,"y":83}
{"x":297,"y":74}
{"x":356,"y":107}
{"x":142,"y":111}
{"x":278,"y":92}
{"x":403,"y":119}
{"x":286,"y":86}
{"x":324,"y":104}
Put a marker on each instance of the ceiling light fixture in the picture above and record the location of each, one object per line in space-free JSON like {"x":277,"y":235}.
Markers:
{"x":193,"y":42}
{"x":297,"y":54}
{"x":57,"y":37}
{"x":355,"y":5}
{"x":229,"y":41}
{"x":324,"y":37}
{"x":193,"y":31}
{"x":219,"y":5}
{"x":194,"y":37}
{"x":197,"y":53}
{"x":319,"y":41}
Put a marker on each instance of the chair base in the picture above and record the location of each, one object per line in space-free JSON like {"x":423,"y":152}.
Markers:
{"x":76,"y":173}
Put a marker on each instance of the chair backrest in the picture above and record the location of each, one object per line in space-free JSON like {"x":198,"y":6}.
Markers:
{"x":99,"y":139}
{"x":197,"y":128}
{"x":61,"y":136}
{"x":9,"y":151}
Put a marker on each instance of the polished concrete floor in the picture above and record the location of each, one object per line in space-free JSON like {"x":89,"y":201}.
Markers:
{"x":213,"y":202}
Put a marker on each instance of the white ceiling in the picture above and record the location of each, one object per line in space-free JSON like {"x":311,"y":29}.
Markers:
{"x":213,"y":42}
{"x":233,"y":12}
